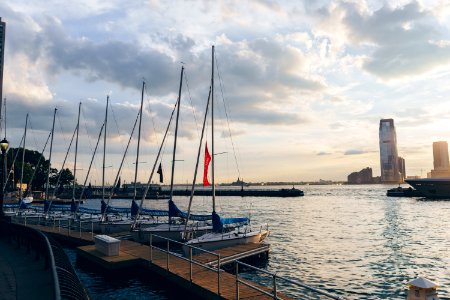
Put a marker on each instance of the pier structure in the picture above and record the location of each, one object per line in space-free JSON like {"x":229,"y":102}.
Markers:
{"x":30,"y":260}
{"x":201,"y":274}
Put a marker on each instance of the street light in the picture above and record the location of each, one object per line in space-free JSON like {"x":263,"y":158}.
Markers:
{"x":3,"y":147}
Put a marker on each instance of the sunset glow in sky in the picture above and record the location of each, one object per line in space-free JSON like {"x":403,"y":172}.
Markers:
{"x":305,"y":83}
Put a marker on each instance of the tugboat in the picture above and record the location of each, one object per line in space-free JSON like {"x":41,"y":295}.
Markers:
{"x":403,"y":192}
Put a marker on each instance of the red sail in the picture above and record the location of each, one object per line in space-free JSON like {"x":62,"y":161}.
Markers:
{"x":206,"y":165}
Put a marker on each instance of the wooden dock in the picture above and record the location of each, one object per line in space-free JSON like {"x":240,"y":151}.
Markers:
{"x":200,"y":276}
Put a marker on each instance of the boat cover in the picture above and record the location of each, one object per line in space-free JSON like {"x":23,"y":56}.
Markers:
{"x":147,"y":212}
{"x":174,"y":211}
{"x":114,"y":209}
{"x":219,"y":222}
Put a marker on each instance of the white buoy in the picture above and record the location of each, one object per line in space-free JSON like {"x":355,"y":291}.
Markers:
{"x":422,"y":289}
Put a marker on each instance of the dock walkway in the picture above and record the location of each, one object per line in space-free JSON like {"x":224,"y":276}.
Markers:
{"x":200,"y":275}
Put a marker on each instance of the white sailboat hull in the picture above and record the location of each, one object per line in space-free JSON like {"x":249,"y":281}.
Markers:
{"x":168,"y":231}
{"x":215,"y":241}
{"x":121,"y":226}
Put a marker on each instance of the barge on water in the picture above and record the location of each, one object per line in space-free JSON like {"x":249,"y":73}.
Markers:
{"x":292,"y":192}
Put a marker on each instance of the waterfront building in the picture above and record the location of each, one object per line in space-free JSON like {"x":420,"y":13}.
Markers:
{"x":361,"y":177}
{"x":440,"y":160}
{"x":388,"y":152}
{"x":2,"y":53}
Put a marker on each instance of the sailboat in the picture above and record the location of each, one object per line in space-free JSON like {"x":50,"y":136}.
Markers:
{"x":223,"y":235}
{"x":177,"y":222}
{"x":22,"y":199}
{"x":124,"y":224}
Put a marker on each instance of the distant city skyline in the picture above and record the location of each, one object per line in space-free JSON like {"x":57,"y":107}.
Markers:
{"x":305,"y":83}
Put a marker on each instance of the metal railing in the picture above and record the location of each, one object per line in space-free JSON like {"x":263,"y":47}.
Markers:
{"x":214,"y":266}
{"x":66,"y":284}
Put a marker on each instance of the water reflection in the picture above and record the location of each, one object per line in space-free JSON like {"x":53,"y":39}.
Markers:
{"x":348,"y":240}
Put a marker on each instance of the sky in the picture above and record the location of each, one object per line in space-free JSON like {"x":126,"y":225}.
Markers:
{"x":300,"y":86}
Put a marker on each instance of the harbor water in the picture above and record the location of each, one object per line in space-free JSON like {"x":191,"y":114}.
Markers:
{"x":352,"y":241}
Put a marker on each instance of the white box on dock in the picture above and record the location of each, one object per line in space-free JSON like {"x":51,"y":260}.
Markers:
{"x":107,"y":245}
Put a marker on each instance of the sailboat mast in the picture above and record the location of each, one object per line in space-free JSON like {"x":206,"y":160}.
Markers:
{"x":23,"y":158}
{"x":50,"y":156}
{"x":175,"y":136}
{"x":212,"y":133}
{"x":76,"y":152}
{"x":104,"y":149}
{"x":138,"y":142}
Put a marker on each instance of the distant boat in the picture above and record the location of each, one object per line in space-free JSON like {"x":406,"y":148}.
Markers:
{"x":239,"y":182}
{"x":432,"y":187}
{"x":403,"y":192}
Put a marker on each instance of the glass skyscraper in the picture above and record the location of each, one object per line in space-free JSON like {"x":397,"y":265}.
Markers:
{"x":388,"y":152}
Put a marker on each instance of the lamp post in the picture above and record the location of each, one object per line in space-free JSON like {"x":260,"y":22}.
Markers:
{"x":3,"y":146}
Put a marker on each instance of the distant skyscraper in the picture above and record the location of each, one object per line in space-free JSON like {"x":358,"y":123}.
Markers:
{"x":440,"y":160}
{"x":2,"y":54}
{"x":440,"y":156}
{"x":388,"y":152}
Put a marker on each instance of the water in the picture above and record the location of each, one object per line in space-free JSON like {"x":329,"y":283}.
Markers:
{"x":349,"y":240}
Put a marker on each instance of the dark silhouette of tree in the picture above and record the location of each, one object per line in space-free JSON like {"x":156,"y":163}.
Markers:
{"x":34,"y":163}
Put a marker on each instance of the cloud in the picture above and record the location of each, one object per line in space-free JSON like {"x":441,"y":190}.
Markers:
{"x":403,"y":38}
{"x":354,"y":152}
{"x":322,"y":153}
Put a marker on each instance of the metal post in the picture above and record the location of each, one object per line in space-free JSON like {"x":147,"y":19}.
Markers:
{"x":218,"y":274}
{"x":59,"y":225}
{"x":167,"y":255}
{"x":92,"y":227}
{"x":151,"y":247}
{"x":237,"y":279}
{"x":79,"y":228}
{"x":2,"y":194}
{"x":68,"y":228}
{"x":274,"y":287}
{"x":25,"y":220}
{"x":190,"y":264}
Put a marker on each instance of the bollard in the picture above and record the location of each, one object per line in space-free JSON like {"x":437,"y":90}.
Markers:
{"x":422,"y":289}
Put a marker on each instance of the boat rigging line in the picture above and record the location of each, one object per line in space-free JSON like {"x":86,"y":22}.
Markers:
{"x":154,"y":167}
{"x":90,"y":165}
{"x":190,"y":101}
{"x":227,"y":117}
{"x":62,"y":167}
{"x":196,"y":165}
{"x":120,"y":168}
{"x":50,"y":156}
{"x":11,"y":171}
{"x":23,"y":157}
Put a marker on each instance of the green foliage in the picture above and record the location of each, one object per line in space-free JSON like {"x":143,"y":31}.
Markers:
{"x":35,"y":163}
